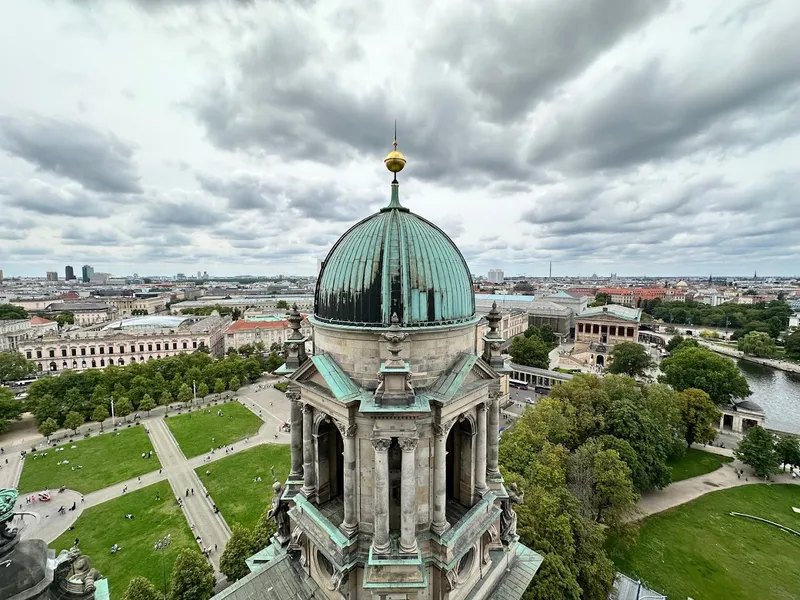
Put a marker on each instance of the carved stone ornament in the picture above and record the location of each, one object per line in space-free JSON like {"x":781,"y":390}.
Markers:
{"x":443,"y":428}
{"x":346,"y":431}
{"x":495,"y":347}
{"x":292,"y":395}
{"x":482,"y":407}
{"x":395,"y":337}
{"x":381,"y":444}
{"x":408,"y":444}
{"x":452,"y":579}
{"x":295,"y":319}
{"x":494,"y":395}
{"x":308,"y":408}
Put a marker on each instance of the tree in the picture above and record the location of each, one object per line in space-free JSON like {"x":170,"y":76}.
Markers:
{"x":757,"y":343}
{"x":788,"y":450}
{"x":147,"y":404}
{"x":141,"y":589}
{"x":65,"y":318}
{"x":74,"y":420}
{"x":201,"y":347}
{"x":791,"y":343}
{"x":202,"y":390}
{"x":100,"y":414}
{"x":553,"y":580}
{"x":240,"y":546}
{"x":698,"y":414}
{"x":236,"y":314}
{"x":687,"y":343}
{"x":9,"y":312}
{"x":184,"y":393}
{"x":273,"y":362}
{"x":700,"y":368}
{"x":219,"y":387}
{"x":234,"y":384}
{"x":123,"y":407}
{"x":530,"y":351}
{"x":192,"y":577}
{"x":10,"y":408}
{"x":14,"y":366}
{"x":48,"y":427}
{"x":282,"y":304}
{"x":757,"y":449}
{"x":630,"y":358}
{"x":166,"y":398}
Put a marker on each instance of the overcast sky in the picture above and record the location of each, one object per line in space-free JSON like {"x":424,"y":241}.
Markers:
{"x":237,"y":136}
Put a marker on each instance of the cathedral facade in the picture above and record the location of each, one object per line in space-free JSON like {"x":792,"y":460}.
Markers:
{"x":394,"y":491}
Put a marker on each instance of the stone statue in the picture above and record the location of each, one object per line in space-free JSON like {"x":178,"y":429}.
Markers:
{"x":8,"y":499}
{"x":74,"y":574}
{"x":279,"y":512}
{"x":508,"y":518}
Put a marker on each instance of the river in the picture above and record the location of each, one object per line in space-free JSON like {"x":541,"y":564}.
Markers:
{"x":777,"y":392}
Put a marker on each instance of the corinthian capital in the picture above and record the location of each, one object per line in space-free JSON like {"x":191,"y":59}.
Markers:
{"x":293,"y":395}
{"x":381,"y":444}
{"x":346,"y":430}
{"x":408,"y":444}
{"x":443,"y":428}
{"x":482,"y":407}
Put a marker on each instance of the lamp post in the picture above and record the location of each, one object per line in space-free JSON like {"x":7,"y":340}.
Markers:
{"x":113,"y":419}
{"x":162,"y":546}
{"x":194,"y":392}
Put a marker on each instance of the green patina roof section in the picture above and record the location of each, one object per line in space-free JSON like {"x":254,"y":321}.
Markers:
{"x":302,"y":503}
{"x":394,"y":262}
{"x":368,"y":405}
{"x":101,"y":591}
{"x":450,"y":382}
{"x":340,"y":384}
{"x":486,"y":504}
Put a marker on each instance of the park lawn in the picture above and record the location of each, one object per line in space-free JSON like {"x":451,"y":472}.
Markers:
{"x":104,"y":525}
{"x":194,"y":431}
{"x":106,"y":459}
{"x":698,"y":550}
{"x":696,"y":462}
{"x":231,"y":485}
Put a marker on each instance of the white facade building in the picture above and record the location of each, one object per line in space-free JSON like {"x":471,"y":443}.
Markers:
{"x":496,"y":275}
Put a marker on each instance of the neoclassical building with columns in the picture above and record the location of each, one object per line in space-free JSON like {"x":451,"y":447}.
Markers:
{"x":394,"y":491}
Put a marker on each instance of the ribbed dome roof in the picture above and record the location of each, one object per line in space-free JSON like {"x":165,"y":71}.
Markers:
{"x":394,"y":262}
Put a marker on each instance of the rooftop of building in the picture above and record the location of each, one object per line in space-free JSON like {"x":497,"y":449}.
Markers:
{"x":149,"y":322}
{"x":40,"y":321}
{"x":615,"y":310}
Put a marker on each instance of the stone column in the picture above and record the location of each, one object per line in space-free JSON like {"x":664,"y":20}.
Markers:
{"x":350,"y":524}
{"x":440,"y":524}
{"x":380,"y":537}
{"x":308,"y":451}
{"x":296,"y":435}
{"x":408,"y":497}
{"x":493,"y":436}
{"x":480,"y":453}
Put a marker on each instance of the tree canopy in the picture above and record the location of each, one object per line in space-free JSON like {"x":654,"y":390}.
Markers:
{"x":582,"y":455}
{"x":757,"y":449}
{"x":792,"y":344}
{"x":698,"y":414}
{"x":530,"y":351}
{"x":702,"y":369}
{"x":630,"y":358}
{"x":240,"y":546}
{"x":14,"y":366}
{"x":770,"y":317}
{"x":9,"y":312}
{"x":10,"y":408}
{"x":140,"y":588}
{"x":757,"y":343}
{"x":192,"y":577}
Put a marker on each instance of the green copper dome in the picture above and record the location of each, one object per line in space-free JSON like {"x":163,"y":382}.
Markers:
{"x":394,"y":262}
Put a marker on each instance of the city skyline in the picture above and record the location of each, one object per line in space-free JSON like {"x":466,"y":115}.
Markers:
{"x":168,"y":136}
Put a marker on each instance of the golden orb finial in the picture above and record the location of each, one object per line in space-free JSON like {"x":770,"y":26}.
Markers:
{"x":395,"y":161}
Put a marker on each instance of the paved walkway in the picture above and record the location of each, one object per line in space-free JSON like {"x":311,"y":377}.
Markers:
{"x":687,"y":490}
{"x":42,"y":519}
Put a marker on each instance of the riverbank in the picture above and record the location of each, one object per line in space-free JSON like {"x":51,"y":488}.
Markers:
{"x":783,"y":365}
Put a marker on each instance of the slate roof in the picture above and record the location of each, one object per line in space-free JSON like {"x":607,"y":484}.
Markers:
{"x":280,"y":579}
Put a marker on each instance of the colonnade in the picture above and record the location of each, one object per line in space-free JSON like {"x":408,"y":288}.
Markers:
{"x":486,"y":466}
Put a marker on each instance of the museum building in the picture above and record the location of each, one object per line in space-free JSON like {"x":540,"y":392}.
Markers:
{"x":394,"y":490}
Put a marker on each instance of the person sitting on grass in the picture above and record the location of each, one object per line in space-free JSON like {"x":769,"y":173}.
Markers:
{"x":129,"y":516}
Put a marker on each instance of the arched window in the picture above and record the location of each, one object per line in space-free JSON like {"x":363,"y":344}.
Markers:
{"x":83,"y":364}
{"x":64,"y":365}
{"x":53,"y":366}
{"x":133,"y":359}
{"x":102,"y":362}
{"x":94,"y":363}
{"x":121,"y":362}
{"x":74,"y":364}
{"x":110,"y":361}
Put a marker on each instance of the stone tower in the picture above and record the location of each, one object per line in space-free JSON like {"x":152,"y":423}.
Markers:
{"x":394,"y":491}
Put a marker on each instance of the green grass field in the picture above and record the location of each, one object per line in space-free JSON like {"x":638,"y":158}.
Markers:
{"x":106,"y":459}
{"x":231,"y":485}
{"x":696,"y":462}
{"x":194,"y":431}
{"x":699,"y":550}
{"x":102,"y":526}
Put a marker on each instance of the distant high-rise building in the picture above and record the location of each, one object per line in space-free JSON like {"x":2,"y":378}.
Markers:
{"x":496,"y":276}
{"x":52,"y":276}
{"x":199,"y":275}
{"x":319,"y":266}
{"x":86,"y":272}
{"x":1,"y":274}
{"x":69,"y":273}
{"x":205,"y":274}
